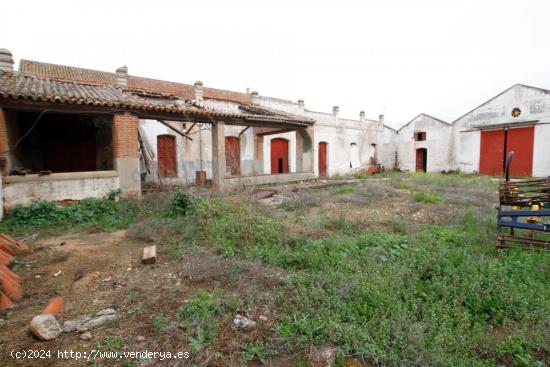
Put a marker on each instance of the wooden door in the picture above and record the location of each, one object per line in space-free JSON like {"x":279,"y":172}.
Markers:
{"x":166,"y":153}
{"x":279,"y":156}
{"x":322,"y":159}
{"x":520,"y":141}
{"x":492,"y":152}
{"x":421,"y":159}
{"x":233,"y":154}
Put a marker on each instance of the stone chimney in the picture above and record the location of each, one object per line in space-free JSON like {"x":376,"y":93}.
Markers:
{"x":254,"y":96}
{"x":335,"y":110}
{"x":247,"y":90}
{"x":362,"y":116}
{"x":6,"y":60}
{"x":381,"y":119}
{"x":122,"y":76}
{"x":199,"y":91}
{"x":301,"y":104}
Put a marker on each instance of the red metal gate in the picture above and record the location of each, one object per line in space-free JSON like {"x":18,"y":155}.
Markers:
{"x":279,"y":155}
{"x":233,"y":154}
{"x":520,"y":141}
{"x":496,"y":144}
{"x":166,"y":152}
{"x":322,"y":159}
{"x":491,"y":152}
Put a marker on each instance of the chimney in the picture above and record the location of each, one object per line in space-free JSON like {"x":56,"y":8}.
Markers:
{"x":122,"y":76}
{"x":362,"y":116}
{"x":199,"y":91}
{"x":335,"y":110}
{"x":381,"y":119}
{"x":301,"y":104}
{"x":6,"y":60}
{"x":247,"y":90}
{"x":254,"y":96}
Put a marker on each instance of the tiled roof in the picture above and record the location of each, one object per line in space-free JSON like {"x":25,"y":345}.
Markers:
{"x":63,"y":72}
{"x":29,"y":87}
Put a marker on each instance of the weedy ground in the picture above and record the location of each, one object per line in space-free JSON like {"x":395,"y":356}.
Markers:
{"x":395,"y":272}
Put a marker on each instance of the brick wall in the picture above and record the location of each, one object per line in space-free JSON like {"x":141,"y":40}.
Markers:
{"x":125,"y":135}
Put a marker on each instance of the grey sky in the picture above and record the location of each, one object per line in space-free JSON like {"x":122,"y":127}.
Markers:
{"x":395,"y":57}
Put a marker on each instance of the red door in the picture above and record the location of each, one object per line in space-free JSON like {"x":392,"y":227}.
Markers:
{"x":421,"y":159}
{"x":166,"y":152}
{"x":491,"y":152}
{"x":233,"y":154}
{"x":322,"y":159}
{"x":279,"y":155}
{"x":520,"y":141}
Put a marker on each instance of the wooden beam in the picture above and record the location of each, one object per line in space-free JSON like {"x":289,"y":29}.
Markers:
{"x":276,"y":132}
{"x":242,"y":132}
{"x":174,"y":129}
{"x":191,"y":128}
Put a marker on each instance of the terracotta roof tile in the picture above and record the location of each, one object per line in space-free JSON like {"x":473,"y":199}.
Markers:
{"x":36,"y":88}
{"x":64,"y":72}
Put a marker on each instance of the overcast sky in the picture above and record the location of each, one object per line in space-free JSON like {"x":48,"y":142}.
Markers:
{"x":395,"y":57}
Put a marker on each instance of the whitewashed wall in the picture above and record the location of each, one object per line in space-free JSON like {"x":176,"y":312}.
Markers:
{"x":535,"y":106}
{"x":338,"y":133}
{"x":437,"y":144}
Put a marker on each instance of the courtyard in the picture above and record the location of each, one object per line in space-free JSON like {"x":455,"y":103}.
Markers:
{"x":387,"y":270}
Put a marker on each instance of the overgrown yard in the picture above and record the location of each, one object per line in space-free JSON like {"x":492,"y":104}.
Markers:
{"x":399,"y":271}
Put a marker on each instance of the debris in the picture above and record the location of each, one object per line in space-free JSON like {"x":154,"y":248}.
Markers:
{"x":106,"y":311}
{"x":140,"y":338}
{"x":263,"y":318}
{"x":55,"y":305}
{"x":108,"y":279}
{"x":322,"y":356}
{"x":5,"y":302}
{"x":243,"y":323}
{"x":86,"y":336}
{"x":84,"y":323}
{"x":45,"y":327}
{"x":58,"y":273}
{"x":149,"y":255}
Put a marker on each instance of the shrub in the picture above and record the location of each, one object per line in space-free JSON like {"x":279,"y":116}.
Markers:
{"x":425,"y":197}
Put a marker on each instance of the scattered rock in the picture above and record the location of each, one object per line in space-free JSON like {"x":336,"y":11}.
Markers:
{"x":243,"y":323}
{"x":140,"y":338}
{"x":322,"y":356}
{"x":88,"y":322}
{"x":86,"y":336}
{"x":95,"y":322}
{"x":108,"y":279}
{"x":149,"y":255}
{"x":71,"y":325}
{"x":106,"y":311}
{"x":263,"y":318}
{"x":45,"y":327}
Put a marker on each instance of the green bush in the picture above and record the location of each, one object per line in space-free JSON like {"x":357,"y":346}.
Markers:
{"x":105,"y":213}
{"x":425,"y":197}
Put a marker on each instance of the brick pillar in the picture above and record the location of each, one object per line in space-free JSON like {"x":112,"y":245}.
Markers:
{"x":218,"y":155}
{"x":126,"y":152}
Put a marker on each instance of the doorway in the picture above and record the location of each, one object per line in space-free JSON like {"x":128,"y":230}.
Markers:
{"x":233,"y":154}
{"x":166,"y":152}
{"x":322,"y":159}
{"x":421,"y":160}
{"x":495,"y":146}
{"x":279,"y":156}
